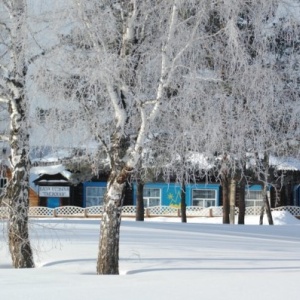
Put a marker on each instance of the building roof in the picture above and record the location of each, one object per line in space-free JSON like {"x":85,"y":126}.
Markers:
{"x":54,"y":178}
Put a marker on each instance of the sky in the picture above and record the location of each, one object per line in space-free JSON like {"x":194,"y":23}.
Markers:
{"x":160,"y":258}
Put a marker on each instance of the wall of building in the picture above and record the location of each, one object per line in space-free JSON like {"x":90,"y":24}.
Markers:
{"x":170,"y":193}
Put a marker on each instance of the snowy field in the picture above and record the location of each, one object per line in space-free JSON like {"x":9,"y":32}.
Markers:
{"x":160,"y":259}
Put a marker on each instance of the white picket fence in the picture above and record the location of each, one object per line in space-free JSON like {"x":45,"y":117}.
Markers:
{"x":129,"y":211}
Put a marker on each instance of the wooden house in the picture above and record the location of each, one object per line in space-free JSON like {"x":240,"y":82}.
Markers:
{"x":56,"y":190}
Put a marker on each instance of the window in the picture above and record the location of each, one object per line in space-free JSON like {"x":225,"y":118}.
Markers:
{"x":253,"y":198}
{"x":297,"y":195}
{"x":204,"y":198}
{"x":94,"y":195}
{"x":151,"y":197}
{"x":3,"y":182}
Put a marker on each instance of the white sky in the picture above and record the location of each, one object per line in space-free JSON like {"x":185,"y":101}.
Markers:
{"x":160,"y":259}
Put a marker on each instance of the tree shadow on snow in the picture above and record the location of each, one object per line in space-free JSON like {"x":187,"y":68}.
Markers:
{"x":67,"y":261}
{"x":133,"y":272}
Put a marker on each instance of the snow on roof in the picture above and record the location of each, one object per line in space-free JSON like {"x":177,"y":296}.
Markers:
{"x":36,"y":172}
{"x":51,"y":170}
{"x":285,"y":163}
{"x":200,"y":161}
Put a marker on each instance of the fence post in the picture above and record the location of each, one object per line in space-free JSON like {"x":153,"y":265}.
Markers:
{"x":210,"y":213}
{"x":54,"y":213}
{"x":147,"y":212}
{"x":85,"y":213}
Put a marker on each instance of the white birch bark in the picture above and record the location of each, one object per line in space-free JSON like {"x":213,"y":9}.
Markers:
{"x":232,"y":194}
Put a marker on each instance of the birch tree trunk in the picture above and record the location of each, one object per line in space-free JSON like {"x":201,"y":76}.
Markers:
{"x":18,"y":190}
{"x":225,"y":195}
{"x":268,"y":209}
{"x":108,"y":255}
{"x":140,"y":181}
{"x":242,"y":204}
{"x":225,"y":183}
{"x":139,"y":201}
{"x":265,"y":208}
{"x":183,"y":203}
{"x":232,"y":200}
{"x":266,"y":205}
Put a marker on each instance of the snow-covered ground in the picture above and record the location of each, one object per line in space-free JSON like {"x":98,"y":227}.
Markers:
{"x":160,"y":259}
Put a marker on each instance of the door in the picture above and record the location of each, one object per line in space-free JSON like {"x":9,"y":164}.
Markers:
{"x":53,"y":202}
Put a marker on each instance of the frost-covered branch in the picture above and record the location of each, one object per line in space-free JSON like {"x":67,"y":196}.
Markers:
{"x":4,"y":137}
{"x":4,"y":99}
{"x":120,"y":113}
{"x":43,"y":53}
{"x":4,"y":25}
{"x":165,"y":61}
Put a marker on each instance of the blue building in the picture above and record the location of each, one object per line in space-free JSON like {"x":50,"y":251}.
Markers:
{"x":158,"y":194}
{"x":168,"y":194}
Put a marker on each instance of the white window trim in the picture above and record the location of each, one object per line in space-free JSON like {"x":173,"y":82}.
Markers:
{"x":100,"y":198}
{"x":147,"y":199}
{"x":205,"y":200}
{"x":254,"y":202}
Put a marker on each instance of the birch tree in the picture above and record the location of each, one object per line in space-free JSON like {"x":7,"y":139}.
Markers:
{"x":135,"y":52}
{"x":14,"y":69}
{"x":24,"y":43}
